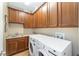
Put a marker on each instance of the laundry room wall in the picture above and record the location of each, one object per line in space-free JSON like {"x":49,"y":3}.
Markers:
{"x":15,"y":28}
{"x":28,"y":31}
{"x":18,"y":28}
{"x":70,"y":34}
{"x":5,"y":12}
{"x":1,"y":27}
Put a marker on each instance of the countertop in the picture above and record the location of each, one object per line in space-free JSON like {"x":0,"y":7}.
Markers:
{"x":15,"y":36}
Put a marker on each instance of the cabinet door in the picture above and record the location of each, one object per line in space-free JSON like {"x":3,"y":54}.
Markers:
{"x":41,"y":17}
{"x":21,"y":17}
{"x":26,"y":42}
{"x":69,"y":14}
{"x":21,"y":44}
{"x":52,"y":14}
{"x":36,"y":25}
{"x":29,"y":21}
{"x":11,"y":46}
{"x":12,"y":15}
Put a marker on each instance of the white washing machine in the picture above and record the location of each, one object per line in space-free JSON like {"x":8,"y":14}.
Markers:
{"x":41,"y":51}
{"x":32,"y":47}
{"x":65,"y":52}
{"x":57,"y":47}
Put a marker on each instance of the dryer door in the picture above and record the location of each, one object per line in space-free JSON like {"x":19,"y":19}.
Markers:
{"x":42,"y":52}
{"x":32,"y":48}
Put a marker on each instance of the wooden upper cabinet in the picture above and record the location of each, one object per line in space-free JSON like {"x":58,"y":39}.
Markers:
{"x":21,"y":17}
{"x":12,"y":15}
{"x":29,"y":21}
{"x":38,"y":18}
{"x":15,"y":16}
{"x":69,"y":14}
{"x":36,"y":25}
{"x":41,"y":17}
{"x":52,"y":14}
{"x":44,"y":16}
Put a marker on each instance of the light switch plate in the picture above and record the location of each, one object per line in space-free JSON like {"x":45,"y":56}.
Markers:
{"x":60,"y":35}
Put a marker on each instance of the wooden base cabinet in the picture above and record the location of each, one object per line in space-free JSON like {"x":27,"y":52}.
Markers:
{"x":16,"y":45}
{"x":22,"y":44}
{"x":11,"y":46}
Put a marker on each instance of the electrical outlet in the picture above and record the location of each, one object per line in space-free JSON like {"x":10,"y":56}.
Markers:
{"x":60,"y":35}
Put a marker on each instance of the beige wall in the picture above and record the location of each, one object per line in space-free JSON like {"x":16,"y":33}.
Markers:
{"x":70,"y":34}
{"x":5,"y":33}
{"x":15,"y":28}
{"x":28,"y":31}
{"x":18,"y":28}
{"x":1,"y":26}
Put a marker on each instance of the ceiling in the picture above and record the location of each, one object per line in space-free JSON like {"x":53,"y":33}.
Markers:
{"x":25,"y":6}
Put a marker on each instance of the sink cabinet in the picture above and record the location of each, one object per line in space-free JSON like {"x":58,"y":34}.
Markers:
{"x":16,"y":45}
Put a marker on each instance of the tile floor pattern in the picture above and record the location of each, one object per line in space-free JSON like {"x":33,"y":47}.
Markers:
{"x":24,"y":53}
